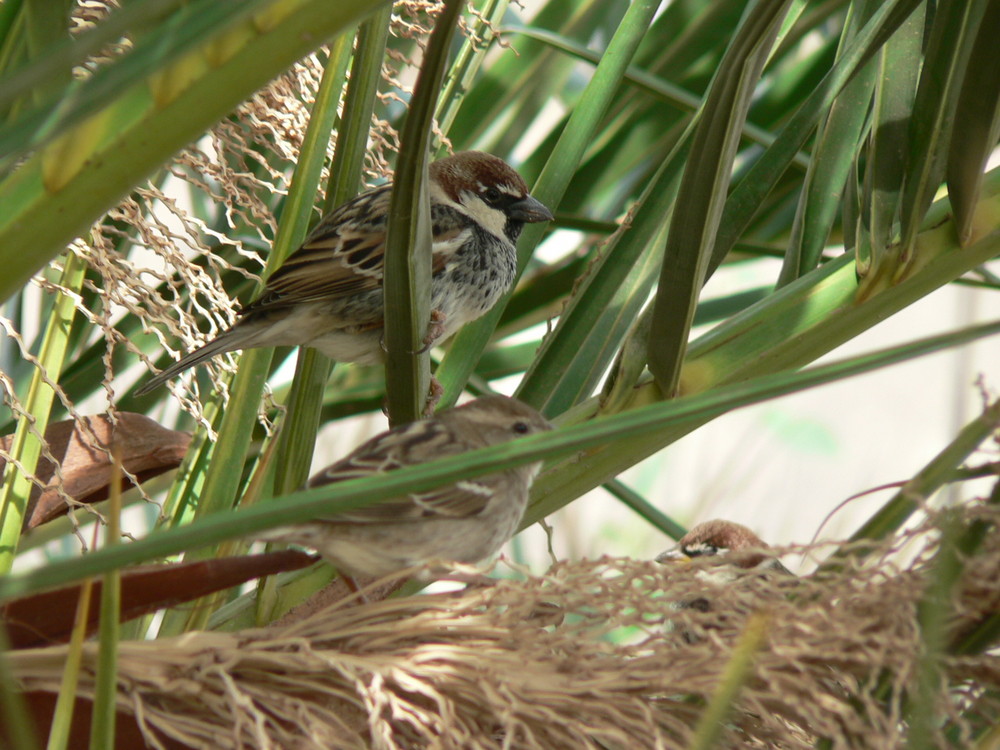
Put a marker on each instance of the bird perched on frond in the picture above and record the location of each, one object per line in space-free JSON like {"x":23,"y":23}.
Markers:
{"x":328,"y":293}
{"x":462,"y":522}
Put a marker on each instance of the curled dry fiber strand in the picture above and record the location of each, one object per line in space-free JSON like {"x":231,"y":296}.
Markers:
{"x":591,"y":655}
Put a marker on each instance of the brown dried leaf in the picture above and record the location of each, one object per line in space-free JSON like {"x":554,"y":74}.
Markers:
{"x":148,"y":449}
{"x":45,"y":618}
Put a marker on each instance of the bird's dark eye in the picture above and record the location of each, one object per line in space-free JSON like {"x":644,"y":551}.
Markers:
{"x":521,"y":428}
{"x":491,"y":195}
{"x":703,"y":549}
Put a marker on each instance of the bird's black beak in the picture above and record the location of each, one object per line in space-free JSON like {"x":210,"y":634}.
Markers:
{"x":529,"y":211}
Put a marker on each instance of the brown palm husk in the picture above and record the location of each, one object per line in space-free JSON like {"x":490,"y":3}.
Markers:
{"x":593,"y":654}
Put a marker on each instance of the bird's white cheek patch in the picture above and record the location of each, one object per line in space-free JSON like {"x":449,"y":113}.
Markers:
{"x":491,"y":219}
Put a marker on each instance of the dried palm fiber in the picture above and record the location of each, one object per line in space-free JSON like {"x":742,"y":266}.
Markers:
{"x":592,"y":654}
{"x":164,"y":277}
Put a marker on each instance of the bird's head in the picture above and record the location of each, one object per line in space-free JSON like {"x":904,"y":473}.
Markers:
{"x":489,"y":190}
{"x":731,"y":543}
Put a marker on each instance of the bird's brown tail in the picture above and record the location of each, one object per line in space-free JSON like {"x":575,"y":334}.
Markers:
{"x":231,"y":340}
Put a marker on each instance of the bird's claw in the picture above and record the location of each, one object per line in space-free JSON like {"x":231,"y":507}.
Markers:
{"x":435,"y":329}
{"x":434,"y":393}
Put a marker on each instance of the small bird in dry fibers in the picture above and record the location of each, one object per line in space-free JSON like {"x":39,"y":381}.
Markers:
{"x":738,"y":560}
{"x":462,"y":522}
{"x":328,"y":293}
{"x":737,"y":549}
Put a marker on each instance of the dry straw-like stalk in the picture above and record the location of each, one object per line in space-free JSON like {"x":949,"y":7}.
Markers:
{"x":593,"y":654}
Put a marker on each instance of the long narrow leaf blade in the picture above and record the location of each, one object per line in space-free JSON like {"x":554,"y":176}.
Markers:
{"x":408,"y":244}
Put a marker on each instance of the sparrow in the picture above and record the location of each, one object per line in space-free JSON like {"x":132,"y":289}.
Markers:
{"x":737,"y":549}
{"x":328,"y":293}
{"x":464,"y":522}
{"x":735,"y":552}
